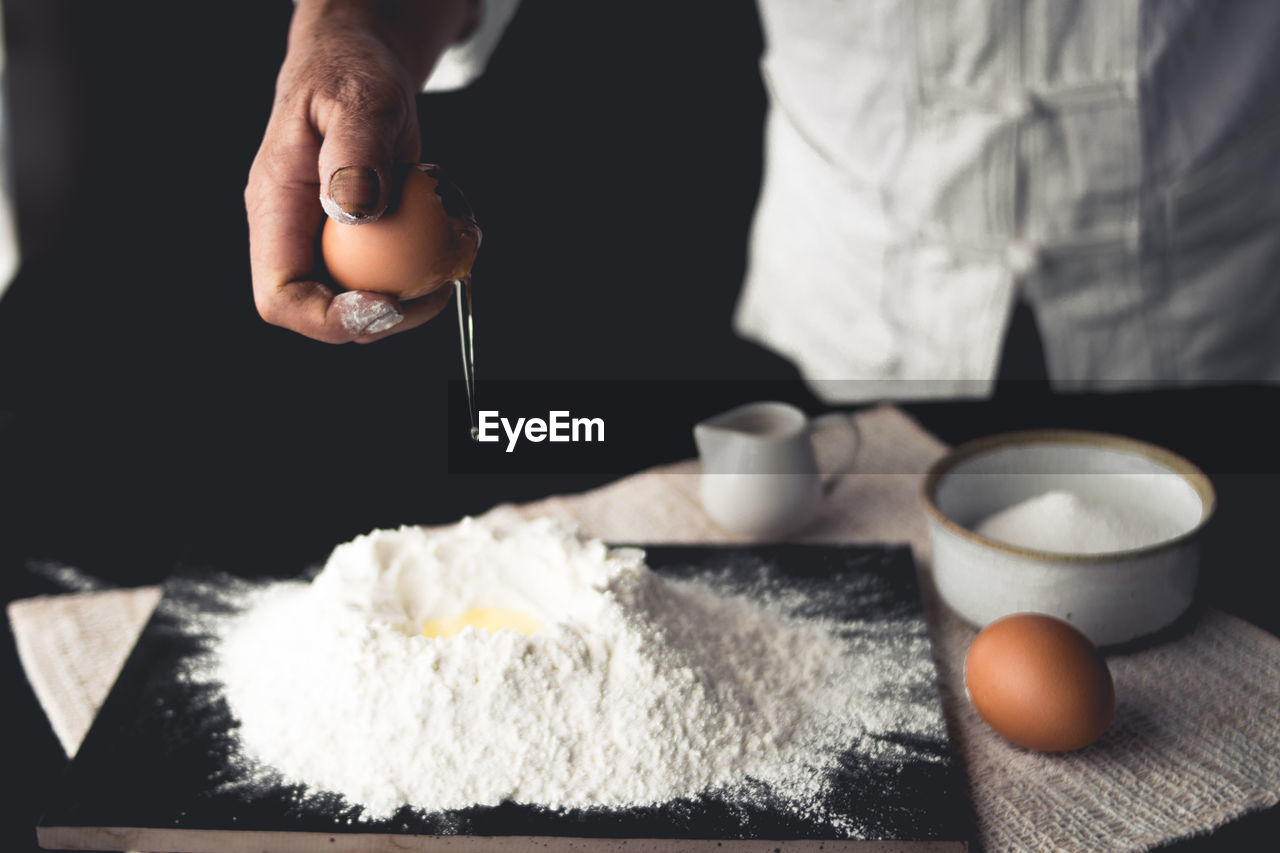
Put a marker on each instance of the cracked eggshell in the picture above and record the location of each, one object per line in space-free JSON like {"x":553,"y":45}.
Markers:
{"x":427,"y":238}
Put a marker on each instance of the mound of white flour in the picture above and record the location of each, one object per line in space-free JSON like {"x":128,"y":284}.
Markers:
{"x":638,"y":689}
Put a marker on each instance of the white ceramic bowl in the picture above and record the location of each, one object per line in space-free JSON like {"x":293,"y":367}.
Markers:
{"x":1112,"y":597}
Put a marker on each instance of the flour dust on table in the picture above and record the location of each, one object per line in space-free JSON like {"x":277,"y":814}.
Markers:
{"x":525,"y":662}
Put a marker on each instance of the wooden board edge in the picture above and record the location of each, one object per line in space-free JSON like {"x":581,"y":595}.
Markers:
{"x":253,"y":841}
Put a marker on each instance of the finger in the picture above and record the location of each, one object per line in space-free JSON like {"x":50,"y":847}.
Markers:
{"x":283,"y":222}
{"x":362,"y":313}
{"x":310,"y":308}
{"x":415,"y":313}
{"x":361,"y":145}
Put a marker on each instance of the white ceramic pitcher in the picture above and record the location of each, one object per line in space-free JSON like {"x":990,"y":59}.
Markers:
{"x":760,"y":477}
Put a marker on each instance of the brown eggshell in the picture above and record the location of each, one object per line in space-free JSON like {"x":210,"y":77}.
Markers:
{"x":428,"y":238}
{"x":1039,"y":683}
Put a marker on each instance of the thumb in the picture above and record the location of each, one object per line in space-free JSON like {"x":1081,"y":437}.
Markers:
{"x":356,"y":162}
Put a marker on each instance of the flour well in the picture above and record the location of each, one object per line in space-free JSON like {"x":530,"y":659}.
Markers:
{"x":637,"y":690}
{"x":1065,"y":522}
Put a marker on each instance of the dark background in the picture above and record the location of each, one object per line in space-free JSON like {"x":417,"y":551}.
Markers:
{"x":149,"y":419}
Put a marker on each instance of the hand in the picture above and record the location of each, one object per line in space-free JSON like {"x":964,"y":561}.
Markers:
{"x":344,"y":113}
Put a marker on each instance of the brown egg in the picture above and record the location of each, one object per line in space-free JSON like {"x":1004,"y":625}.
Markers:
{"x":1039,"y":682}
{"x":427,"y":238}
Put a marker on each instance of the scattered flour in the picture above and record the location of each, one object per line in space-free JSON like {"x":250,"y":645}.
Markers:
{"x":1065,"y":522}
{"x":68,"y":577}
{"x":364,"y":314}
{"x":639,"y":689}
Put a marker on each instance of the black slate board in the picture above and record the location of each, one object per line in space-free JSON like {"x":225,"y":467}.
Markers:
{"x":150,"y":764}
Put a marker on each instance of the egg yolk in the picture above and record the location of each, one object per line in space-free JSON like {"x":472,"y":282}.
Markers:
{"x":491,"y":619}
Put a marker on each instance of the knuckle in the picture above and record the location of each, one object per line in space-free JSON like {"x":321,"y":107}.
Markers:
{"x":251,"y":191}
{"x":369,"y":97}
{"x":256,"y":178}
{"x":270,"y":310}
{"x":286,"y":159}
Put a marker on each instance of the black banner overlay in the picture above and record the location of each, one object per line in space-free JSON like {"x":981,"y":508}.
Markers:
{"x":650,"y":422}
{"x":621,"y":427}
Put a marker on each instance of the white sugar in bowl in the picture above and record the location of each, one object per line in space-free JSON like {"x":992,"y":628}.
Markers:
{"x":1105,"y":530}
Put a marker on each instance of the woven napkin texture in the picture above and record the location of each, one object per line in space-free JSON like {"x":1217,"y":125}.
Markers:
{"x":1196,"y":737}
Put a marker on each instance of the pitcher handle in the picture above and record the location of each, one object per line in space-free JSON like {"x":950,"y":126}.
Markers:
{"x":849,"y":451}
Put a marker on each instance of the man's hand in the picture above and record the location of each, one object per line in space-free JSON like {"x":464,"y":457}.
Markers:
{"x":344,"y":113}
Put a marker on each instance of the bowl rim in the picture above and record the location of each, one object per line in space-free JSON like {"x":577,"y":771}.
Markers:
{"x":1164,"y":457}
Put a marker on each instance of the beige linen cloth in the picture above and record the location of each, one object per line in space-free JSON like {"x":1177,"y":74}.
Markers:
{"x":1196,"y":737}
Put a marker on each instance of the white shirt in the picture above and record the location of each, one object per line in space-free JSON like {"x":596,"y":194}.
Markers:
{"x":929,"y":162}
